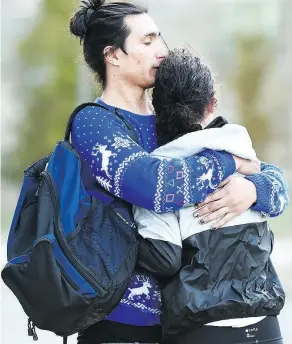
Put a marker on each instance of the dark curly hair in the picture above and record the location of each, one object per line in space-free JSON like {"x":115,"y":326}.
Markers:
{"x":183,"y":88}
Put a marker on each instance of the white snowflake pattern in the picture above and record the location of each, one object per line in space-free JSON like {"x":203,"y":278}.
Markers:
{"x":276,"y":187}
{"x":121,"y":142}
{"x":157,"y":295}
{"x":204,"y":161}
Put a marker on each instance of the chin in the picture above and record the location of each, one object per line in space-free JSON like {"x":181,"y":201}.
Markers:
{"x":149,"y":84}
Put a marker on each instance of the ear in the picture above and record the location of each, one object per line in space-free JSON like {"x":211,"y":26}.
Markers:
{"x":211,"y":105}
{"x":111,"y":55}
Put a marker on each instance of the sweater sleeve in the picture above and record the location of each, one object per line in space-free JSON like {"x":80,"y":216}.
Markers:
{"x":124,"y":169}
{"x":272,"y":191}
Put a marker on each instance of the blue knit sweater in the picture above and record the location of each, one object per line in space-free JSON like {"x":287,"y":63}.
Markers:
{"x":110,"y":157}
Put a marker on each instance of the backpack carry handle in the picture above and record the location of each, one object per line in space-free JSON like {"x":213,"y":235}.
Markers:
{"x":133,"y":134}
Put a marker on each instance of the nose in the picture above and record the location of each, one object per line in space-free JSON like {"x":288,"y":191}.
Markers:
{"x":163,"y":49}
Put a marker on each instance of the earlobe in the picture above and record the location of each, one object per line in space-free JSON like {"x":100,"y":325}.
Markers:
{"x":210,"y":108}
{"x":111,"y":56}
{"x":211,"y":105}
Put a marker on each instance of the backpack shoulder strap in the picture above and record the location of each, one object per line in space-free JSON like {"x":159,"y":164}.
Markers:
{"x":132,"y":133}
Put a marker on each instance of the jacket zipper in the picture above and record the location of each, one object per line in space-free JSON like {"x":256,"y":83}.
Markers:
{"x":77,"y":265}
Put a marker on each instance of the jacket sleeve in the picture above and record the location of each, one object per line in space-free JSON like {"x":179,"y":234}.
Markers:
{"x":160,"y":246}
{"x":272,"y":191}
{"x":126,"y":170}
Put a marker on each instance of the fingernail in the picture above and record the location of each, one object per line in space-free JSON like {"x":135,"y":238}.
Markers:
{"x":201,"y":222}
{"x":196,"y":214}
{"x":213,"y":228}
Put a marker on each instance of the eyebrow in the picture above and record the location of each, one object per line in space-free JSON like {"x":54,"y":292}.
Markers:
{"x":152,"y":34}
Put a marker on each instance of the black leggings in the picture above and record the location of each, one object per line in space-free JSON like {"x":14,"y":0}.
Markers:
{"x":113,"y":332}
{"x":266,"y":331}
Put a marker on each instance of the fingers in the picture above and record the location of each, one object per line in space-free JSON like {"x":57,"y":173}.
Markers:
{"x":223,"y":220}
{"x":213,"y":197}
{"x":249,"y":168}
{"x":219,"y":193}
{"x":214,"y":216}
{"x":209,"y":208}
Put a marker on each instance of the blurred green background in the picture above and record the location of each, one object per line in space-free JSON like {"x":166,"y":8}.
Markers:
{"x":248,"y":43}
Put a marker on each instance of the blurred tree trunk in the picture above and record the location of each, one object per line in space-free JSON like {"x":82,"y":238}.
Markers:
{"x":253,"y":58}
{"x":49,"y":85}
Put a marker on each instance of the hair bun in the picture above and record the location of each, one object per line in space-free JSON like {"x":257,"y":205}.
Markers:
{"x":80,"y":22}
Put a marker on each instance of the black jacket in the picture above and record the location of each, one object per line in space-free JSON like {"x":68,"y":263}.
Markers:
{"x":226,"y":274}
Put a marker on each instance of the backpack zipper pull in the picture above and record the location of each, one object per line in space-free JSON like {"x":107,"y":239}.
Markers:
{"x":31,"y":330}
{"x":35,"y":336}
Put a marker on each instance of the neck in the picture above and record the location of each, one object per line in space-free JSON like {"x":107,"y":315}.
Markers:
{"x":127,"y":97}
{"x":207,"y":120}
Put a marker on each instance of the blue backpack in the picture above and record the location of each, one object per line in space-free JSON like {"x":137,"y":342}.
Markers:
{"x":70,"y":256}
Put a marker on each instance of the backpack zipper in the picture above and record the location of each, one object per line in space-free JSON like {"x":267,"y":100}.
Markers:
{"x":63,"y":273}
{"x":132,"y":225}
{"x":77,"y":265}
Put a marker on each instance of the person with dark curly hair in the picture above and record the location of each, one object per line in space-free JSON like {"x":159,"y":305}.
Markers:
{"x":225,"y":288}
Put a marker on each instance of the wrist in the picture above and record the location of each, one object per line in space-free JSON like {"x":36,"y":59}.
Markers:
{"x":253,"y":192}
{"x":238,"y":162}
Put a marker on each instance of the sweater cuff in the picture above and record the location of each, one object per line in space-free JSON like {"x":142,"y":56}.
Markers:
{"x":226,"y":161}
{"x":262,"y":189}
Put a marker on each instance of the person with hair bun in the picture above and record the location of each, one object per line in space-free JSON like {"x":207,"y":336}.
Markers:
{"x":124,"y":49}
{"x":225,"y":288}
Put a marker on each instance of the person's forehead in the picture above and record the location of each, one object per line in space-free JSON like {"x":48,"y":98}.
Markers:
{"x":142,"y":25}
